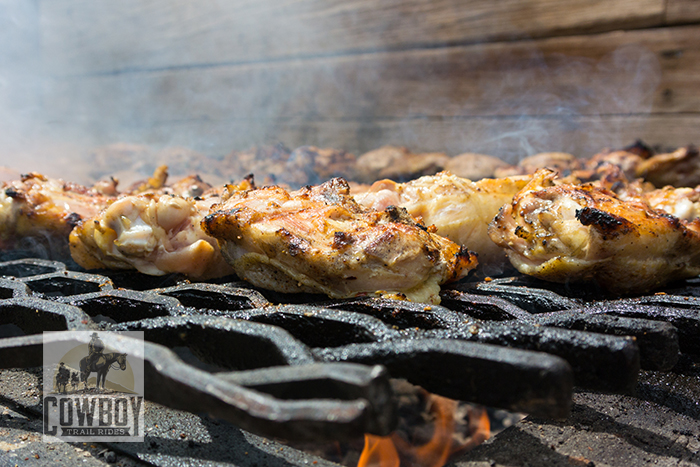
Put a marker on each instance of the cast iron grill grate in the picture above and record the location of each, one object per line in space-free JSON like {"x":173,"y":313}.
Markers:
{"x":321,"y":369}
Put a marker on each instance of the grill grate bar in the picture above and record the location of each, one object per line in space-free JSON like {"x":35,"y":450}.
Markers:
{"x":172,"y":383}
{"x":658,"y":341}
{"x":518,"y":380}
{"x":599,"y":361}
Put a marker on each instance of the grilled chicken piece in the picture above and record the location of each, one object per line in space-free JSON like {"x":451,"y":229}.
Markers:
{"x":318,"y":239}
{"x":155,"y":234}
{"x":398,"y":163}
{"x":683,"y":203}
{"x":37,"y":213}
{"x":679,"y":168}
{"x":305,"y":165}
{"x":560,"y":161}
{"x":569,"y":233}
{"x":606,"y":161}
{"x":459,"y":208}
{"x":475,"y":166}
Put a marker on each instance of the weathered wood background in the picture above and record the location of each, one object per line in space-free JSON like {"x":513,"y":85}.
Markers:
{"x":508,"y":78}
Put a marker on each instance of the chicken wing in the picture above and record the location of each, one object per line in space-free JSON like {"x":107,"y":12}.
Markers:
{"x":573,"y":233}
{"x":459,"y":208}
{"x":318,"y":239}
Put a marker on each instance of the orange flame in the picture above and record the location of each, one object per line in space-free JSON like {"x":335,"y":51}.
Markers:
{"x":379,"y":451}
{"x":388,"y":451}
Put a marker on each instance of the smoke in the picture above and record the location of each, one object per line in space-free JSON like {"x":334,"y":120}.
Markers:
{"x":20,"y":81}
{"x":537,"y":103}
{"x":59,"y":101}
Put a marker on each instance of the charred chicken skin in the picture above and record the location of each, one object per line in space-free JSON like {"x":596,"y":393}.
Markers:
{"x":573,"y":233}
{"x":459,"y":208}
{"x":318,"y":239}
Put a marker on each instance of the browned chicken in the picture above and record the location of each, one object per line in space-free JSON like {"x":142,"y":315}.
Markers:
{"x":318,"y":239}
{"x":474,"y":166}
{"x":559,"y":161}
{"x":155,"y":234}
{"x":459,"y":208}
{"x":683,"y":203}
{"x":604,"y":162}
{"x":305,"y":165}
{"x":398,"y":163}
{"x":38,"y":213}
{"x":570,"y":233}
{"x":679,"y":168}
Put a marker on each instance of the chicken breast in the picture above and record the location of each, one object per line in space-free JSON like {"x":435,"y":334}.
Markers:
{"x":571,"y":233}
{"x":459,"y":208}
{"x":318,"y":239}
{"x":153,"y":233}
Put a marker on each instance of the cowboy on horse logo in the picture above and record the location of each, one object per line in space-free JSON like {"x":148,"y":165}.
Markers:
{"x":96,"y":361}
{"x":99,"y":362}
{"x":105,"y":400}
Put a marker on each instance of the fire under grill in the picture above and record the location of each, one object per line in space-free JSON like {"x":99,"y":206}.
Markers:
{"x":320,"y":370}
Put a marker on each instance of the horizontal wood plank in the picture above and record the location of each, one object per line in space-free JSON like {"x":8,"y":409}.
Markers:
{"x":83,"y":36}
{"x":682,"y":11}
{"x":634,"y":72}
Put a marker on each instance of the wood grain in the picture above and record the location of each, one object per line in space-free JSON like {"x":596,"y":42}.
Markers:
{"x":83,"y":36}
{"x":508,"y":78}
{"x":682,"y":11}
{"x":633,"y":72}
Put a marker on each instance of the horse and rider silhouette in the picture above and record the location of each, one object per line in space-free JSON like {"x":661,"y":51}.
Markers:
{"x":62,"y":377}
{"x":99,"y":362}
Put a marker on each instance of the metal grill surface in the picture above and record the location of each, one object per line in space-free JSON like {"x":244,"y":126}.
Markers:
{"x":319,"y":369}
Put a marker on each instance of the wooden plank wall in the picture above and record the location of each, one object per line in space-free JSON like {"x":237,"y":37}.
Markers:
{"x":508,"y":78}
